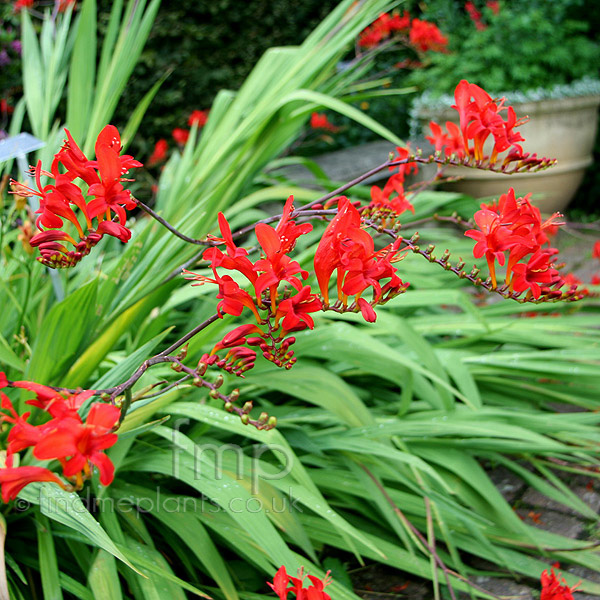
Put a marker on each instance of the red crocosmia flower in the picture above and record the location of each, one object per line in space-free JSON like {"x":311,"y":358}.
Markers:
{"x":233,"y":298}
{"x":296,"y":310}
{"x":277,"y":266}
{"x":180,"y":135}
{"x":235,"y":259}
{"x":78,"y":444}
{"x":237,"y":337}
{"x":347,"y":248}
{"x":450,"y":141}
{"x":14,"y":479}
{"x":238,"y":360}
{"x":22,"y":434}
{"x":320,"y":121}
{"x":328,"y":251}
{"x":399,"y":23}
{"x":115,"y":229}
{"x":19,"y":5}
{"x":65,"y":437}
{"x":475,"y":15}
{"x":492,"y":239}
{"x":406,"y":168}
{"x":366,"y":309}
{"x":554,"y":587}
{"x":53,"y":402}
{"x":287,"y":230}
{"x":159,"y":154}
{"x":595,"y":280}
{"x":480,"y":117}
{"x":75,"y":161}
{"x":5,"y":107}
{"x":110,"y":195}
{"x":365,"y":268}
{"x":60,"y":198}
{"x":63,"y":5}
{"x":199,"y":118}
{"x":426,"y":36}
{"x":315,"y":591}
{"x":494,"y":6}
{"x":370,"y":38}
{"x":280,"y":583}
{"x":382,"y":28}
{"x":537,"y":271}
{"x":571,"y":280}
{"x":383,"y":205}
{"x":596,"y":250}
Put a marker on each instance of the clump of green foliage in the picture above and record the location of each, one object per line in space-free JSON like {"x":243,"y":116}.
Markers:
{"x":521,"y":46}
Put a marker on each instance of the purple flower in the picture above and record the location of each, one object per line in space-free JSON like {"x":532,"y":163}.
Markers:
{"x":4,"y":58}
{"x":16,"y":46}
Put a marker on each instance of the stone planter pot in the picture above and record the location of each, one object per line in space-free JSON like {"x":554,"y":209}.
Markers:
{"x":564,"y":129}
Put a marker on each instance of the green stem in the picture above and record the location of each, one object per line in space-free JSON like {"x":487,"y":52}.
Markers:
{"x":26,"y":300}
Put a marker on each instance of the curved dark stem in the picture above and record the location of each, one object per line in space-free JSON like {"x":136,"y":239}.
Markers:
{"x":188,"y":336}
{"x":473,"y":277}
{"x":171,"y":385}
{"x":303,"y":210}
{"x":170,"y":227}
{"x":454,"y":219}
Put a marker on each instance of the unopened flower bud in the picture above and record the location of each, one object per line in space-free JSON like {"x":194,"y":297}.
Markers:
{"x":219,"y":381}
{"x":197,"y":382}
{"x":201,"y":370}
{"x":263,"y":417}
{"x":245,"y":419}
{"x":214,"y":394}
{"x":248,"y":406}
{"x":272,"y":422}
{"x":228,"y":406}
{"x":235,"y":394}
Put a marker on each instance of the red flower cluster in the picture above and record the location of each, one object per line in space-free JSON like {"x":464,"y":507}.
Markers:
{"x":350,"y":251}
{"x":159,"y":154}
{"x":198,"y":118}
{"x":5,"y":107}
{"x":320,"y":121}
{"x":283,"y":584}
{"x":76,"y":444}
{"x":421,"y":35}
{"x":426,"y":36}
{"x":555,"y":587}
{"x":381,"y":29}
{"x":514,"y":226}
{"x":19,"y":5}
{"x":63,"y":5}
{"x":181,"y":136}
{"x":475,"y":15}
{"x":282,"y":311}
{"x":59,"y":200}
{"x":389,"y":203}
{"x":480,"y":116}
